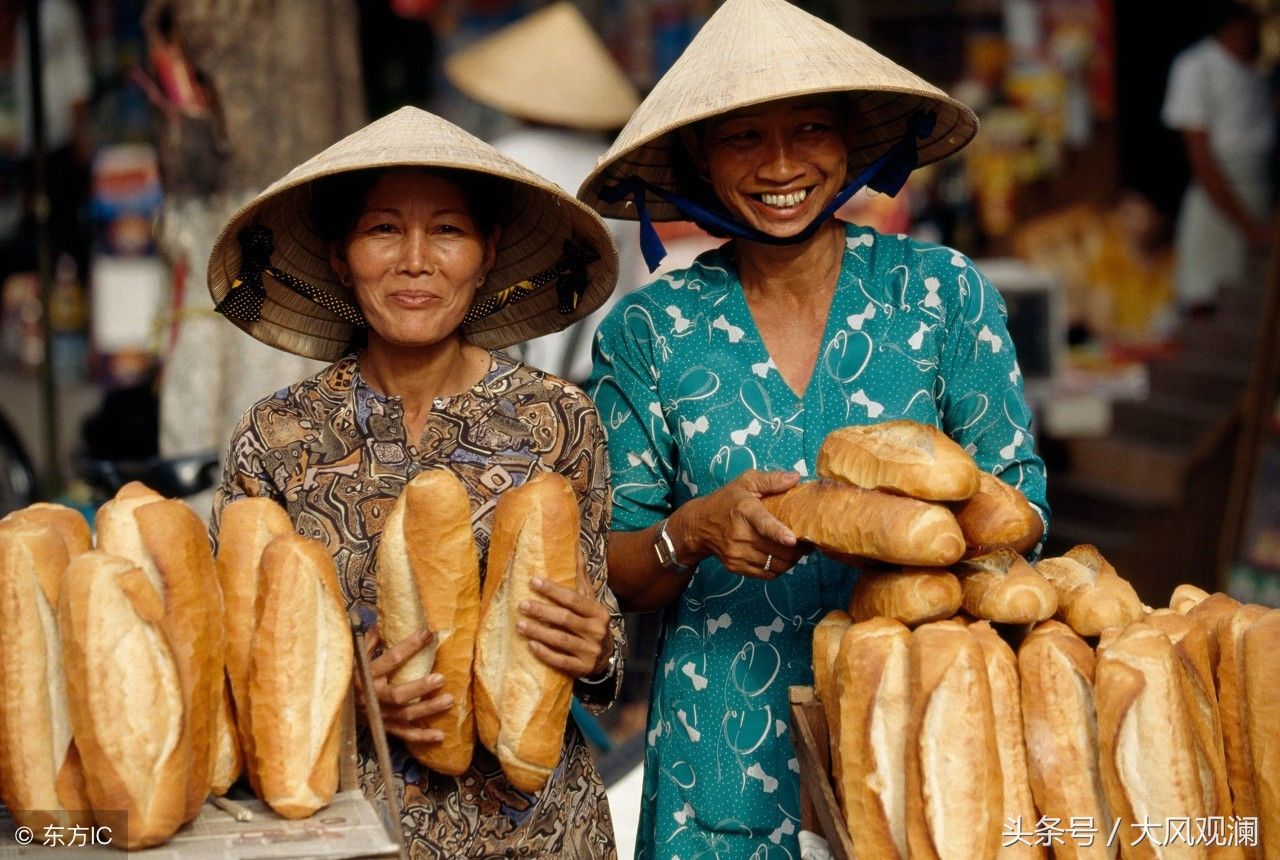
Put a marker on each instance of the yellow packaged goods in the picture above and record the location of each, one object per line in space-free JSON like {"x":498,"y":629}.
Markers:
{"x":856,"y":524}
{"x":1262,"y":721}
{"x":429,"y":577}
{"x":124,"y":696}
{"x":1001,"y":586}
{"x":1056,"y":668}
{"x":299,"y":675}
{"x":996,"y":517}
{"x":247,"y":526}
{"x":521,"y":703}
{"x":912,"y":595}
{"x":1091,"y":595}
{"x":869,"y":735}
{"x":1140,"y":705}
{"x":41,"y":781}
{"x":902,"y":457}
{"x":1006,"y":706}
{"x":954,"y":795}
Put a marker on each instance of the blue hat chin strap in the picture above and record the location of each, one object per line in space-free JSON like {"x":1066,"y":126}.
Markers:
{"x":886,"y":174}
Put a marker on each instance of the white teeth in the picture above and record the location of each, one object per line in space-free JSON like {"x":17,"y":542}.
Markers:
{"x":783,"y":201}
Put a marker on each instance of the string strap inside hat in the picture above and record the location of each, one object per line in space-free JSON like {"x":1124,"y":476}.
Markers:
{"x":569,"y":274}
{"x":247,"y":294}
{"x":886,"y":174}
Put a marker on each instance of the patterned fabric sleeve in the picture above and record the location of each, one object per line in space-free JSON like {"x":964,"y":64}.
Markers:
{"x":585,"y":461}
{"x":641,"y":448}
{"x":983,"y":405}
{"x":243,"y":473}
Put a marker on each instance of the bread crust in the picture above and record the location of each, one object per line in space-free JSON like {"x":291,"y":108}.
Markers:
{"x":1001,"y":586}
{"x":1232,"y":706}
{"x":850,"y":522}
{"x":912,"y":595}
{"x":124,"y":697}
{"x":1091,"y":595}
{"x":69,"y":523}
{"x":1060,"y":727}
{"x":827,"y":635}
{"x":998,"y":516}
{"x":429,"y":577}
{"x":903,"y":457}
{"x":521,"y":703}
{"x":299,"y":676}
{"x":1186,"y":597}
{"x":1262,"y":722}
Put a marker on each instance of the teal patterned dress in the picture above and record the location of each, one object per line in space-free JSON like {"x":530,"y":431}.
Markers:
{"x":690,"y":398}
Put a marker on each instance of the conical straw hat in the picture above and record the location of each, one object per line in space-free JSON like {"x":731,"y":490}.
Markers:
{"x":540,"y":219}
{"x":754,"y":51}
{"x":549,"y":67}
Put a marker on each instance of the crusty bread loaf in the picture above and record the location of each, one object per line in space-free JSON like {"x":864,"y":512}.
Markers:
{"x":69,"y":523}
{"x":299,"y":676}
{"x":246,"y":527}
{"x":1232,"y":690}
{"x":1190,"y":640}
{"x":228,"y":754}
{"x":851,"y":522}
{"x":1213,"y":612}
{"x":40,"y":779}
{"x":1091,"y":595}
{"x":1001,"y":586}
{"x":954,"y":794}
{"x":912,"y":595}
{"x":1261,"y":652}
{"x":169,"y":542}
{"x":1186,"y":597}
{"x":869,"y":735}
{"x":522,"y":703}
{"x":1060,"y":726}
{"x":903,"y":457}
{"x":1139,"y":689}
{"x":429,"y":577}
{"x":827,"y":634}
{"x":1006,"y":706}
{"x":124,"y":697}
{"x":996,"y":517}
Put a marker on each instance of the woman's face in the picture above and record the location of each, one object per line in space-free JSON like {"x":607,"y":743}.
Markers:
{"x":414,"y":257}
{"x":775,"y":166}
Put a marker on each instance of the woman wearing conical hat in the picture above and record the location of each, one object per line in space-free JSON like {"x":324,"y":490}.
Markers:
{"x":408,"y":254}
{"x":717,"y":384}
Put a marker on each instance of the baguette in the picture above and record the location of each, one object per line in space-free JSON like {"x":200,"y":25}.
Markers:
{"x":1056,"y":668}
{"x":954,"y":796}
{"x":852,"y":523}
{"x":1213,"y":612}
{"x":169,"y":543}
{"x":869,"y":735}
{"x":299,"y":676}
{"x":124,"y":697}
{"x":996,"y":517}
{"x":827,"y":635}
{"x":1262,"y":721}
{"x":1141,"y":708}
{"x":1186,"y":597}
{"x":521,"y":703}
{"x":1006,"y":706}
{"x":902,"y":457}
{"x":1001,"y":586}
{"x":1191,"y":643}
{"x":41,"y":781}
{"x":1091,"y":595}
{"x":913,"y":596}
{"x":69,"y":523}
{"x":246,"y":527}
{"x":1232,"y":681}
{"x":429,"y":577}
{"x":228,"y":752}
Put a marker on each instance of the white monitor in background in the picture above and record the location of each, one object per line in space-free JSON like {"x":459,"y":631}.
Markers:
{"x":1037,"y":319}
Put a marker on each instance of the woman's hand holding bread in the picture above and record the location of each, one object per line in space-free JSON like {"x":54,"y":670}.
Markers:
{"x":405,"y":706}
{"x":733,"y":525}
{"x":569,"y":630}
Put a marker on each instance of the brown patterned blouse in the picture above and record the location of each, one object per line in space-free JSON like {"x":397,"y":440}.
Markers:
{"x":333,"y":452}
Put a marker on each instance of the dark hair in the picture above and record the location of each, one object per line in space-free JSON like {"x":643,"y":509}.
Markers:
{"x":336,"y":200}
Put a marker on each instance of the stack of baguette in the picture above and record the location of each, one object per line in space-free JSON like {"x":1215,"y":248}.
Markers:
{"x":1131,"y":731}
{"x":113,"y":660}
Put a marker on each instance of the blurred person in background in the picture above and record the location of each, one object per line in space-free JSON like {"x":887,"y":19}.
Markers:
{"x":552,"y":72}
{"x":1221,"y":102}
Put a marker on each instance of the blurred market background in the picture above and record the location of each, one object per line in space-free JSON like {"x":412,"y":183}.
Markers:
{"x":159,"y":118}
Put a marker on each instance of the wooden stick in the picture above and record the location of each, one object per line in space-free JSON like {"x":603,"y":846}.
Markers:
{"x":230,"y":807}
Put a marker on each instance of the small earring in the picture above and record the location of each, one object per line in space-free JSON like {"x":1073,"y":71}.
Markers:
{"x":480,"y":281}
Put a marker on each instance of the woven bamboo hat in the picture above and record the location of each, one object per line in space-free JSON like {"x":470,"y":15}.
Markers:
{"x":755,"y":51}
{"x":269,"y":271}
{"x":549,"y":67}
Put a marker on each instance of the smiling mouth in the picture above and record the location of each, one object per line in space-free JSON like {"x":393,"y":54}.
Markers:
{"x":783,"y":201}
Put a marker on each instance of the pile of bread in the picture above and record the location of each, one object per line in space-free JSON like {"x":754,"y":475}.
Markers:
{"x":141,"y":673}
